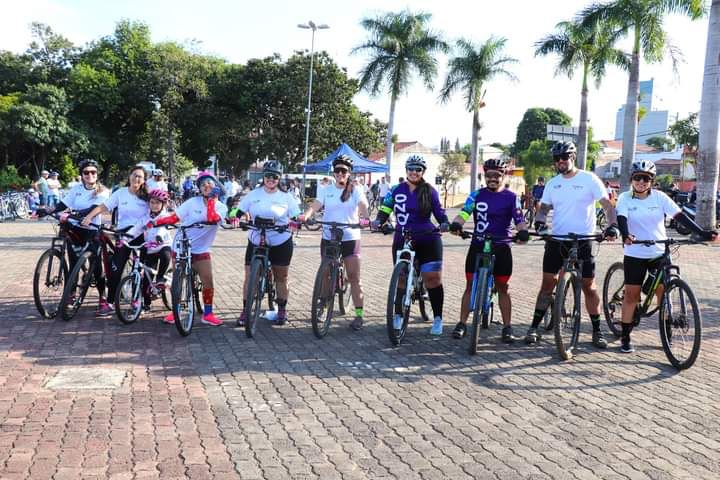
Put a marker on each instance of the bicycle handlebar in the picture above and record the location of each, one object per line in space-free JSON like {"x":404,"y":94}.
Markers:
{"x":668,"y":241}
{"x":337,"y":224}
{"x":465,"y":234}
{"x":570,"y":236}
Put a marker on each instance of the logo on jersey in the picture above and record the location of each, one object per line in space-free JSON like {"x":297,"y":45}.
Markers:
{"x":401,"y":209}
{"x":481,"y":217}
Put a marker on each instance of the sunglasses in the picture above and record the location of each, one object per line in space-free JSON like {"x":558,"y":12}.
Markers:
{"x":272,"y":176}
{"x":494,"y":175}
{"x":89,"y":172}
{"x":415,"y":169}
{"x":341,"y":171}
{"x":642,"y":178}
{"x":564,"y":156}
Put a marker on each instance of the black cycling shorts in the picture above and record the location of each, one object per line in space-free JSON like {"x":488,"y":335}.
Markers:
{"x":556,"y":251}
{"x":635,"y":268}
{"x":503,"y":259}
{"x":280,"y":255}
{"x":429,"y":254}
{"x":349,"y":248}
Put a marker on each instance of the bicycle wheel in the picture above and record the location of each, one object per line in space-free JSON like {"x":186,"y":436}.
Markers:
{"x":183,"y":303}
{"x":344,"y":293}
{"x":400,"y":271}
{"x":612,"y":297}
{"x":49,"y":282}
{"x":680,"y":324}
{"x":255,"y":293}
{"x":315,"y":226}
{"x":128,"y":299}
{"x":167,"y":301}
{"x":420,"y":293}
{"x":478,"y":313}
{"x":566,"y":311}
{"x":323,"y":298}
{"x":76,"y":287}
{"x":601,"y":220}
{"x":271,"y":294}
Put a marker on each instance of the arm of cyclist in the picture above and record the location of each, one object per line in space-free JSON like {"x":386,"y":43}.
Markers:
{"x":624,"y":231}
{"x":364,"y":210}
{"x":611,"y":232}
{"x":306,"y":217}
{"x":439,"y":211}
{"x":384,"y":211}
{"x":98,"y":210}
{"x":519,"y":220}
{"x":541,"y":217}
{"x":463,"y":215}
{"x":708,"y":235}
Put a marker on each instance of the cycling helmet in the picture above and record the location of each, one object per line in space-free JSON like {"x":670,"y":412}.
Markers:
{"x":495,"y":164}
{"x":563,"y":147}
{"x":204,"y":176}
{"x":273,"y":166}
{"x":343,"y":160}
{"x":89,"y":162}
{"x":158,"y":172}
{"x":643,"y":166}
{"x":415,"y":161}
{"x":159,"y":194}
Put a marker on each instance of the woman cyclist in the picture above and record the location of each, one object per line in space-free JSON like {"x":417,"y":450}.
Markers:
{"x":157,"y":253}
{"x":82,"y":198}
{"x":342,"y":203}
{"x":271,"y":204}
{"x":131,"y":204}
{"x":413,"y":201}
{"x":204,"y":208}
{"x":641,"y":215}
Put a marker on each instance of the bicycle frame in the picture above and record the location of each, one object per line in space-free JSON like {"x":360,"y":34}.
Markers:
{"x":402,"y":256}
{"x":485,"y":260}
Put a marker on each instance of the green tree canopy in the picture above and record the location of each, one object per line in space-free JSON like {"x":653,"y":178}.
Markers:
{"x":533,"y":125}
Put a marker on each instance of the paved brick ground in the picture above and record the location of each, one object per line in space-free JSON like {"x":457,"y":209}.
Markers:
{"x":217,"y":405}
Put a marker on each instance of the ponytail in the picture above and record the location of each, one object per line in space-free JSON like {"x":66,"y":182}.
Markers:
{"x":347,"y":191}
{"x":424,"y":198}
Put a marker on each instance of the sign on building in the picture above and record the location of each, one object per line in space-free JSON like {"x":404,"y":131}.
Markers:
{"x":562,"y":133}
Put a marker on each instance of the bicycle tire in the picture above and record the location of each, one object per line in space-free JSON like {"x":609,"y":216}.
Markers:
{"x":182,"y":302}
{"x":567,"y":324}
{"x":613,"y":300}
{"x":167,"y":301}
{"x":396,"y":336}
{"x":547,"y":320}
{"x":344,"y":293}
{"x":271,"y":293}
{"x":55,"y":261}
{"x":674,"y":325}
{"x":682,"y":229}
{"x":124,"y":309}
{"x":323,"y":298}
{"x":420,"y":296}
{"x":79,"y":279}
{"x":480,"y":299}
{"x":255,"y":293}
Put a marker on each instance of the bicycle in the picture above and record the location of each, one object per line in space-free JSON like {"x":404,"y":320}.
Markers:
{"x":330,"y":280}
{"x":186,"y":284}
{"x":260,"y":280}
{"x":406,"y":269}
{"x":82,"y":276}
{"x":129,"y":294}
{"x":566,"y":321}
{"x":676,"y":316}
{"x":51,"y":272}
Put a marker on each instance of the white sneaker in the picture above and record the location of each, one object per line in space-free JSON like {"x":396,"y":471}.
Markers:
{"x":436,"y":327}
{"x":397,"y":322}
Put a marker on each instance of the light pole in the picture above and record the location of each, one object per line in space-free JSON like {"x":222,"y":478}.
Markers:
{"x":309,"y":26}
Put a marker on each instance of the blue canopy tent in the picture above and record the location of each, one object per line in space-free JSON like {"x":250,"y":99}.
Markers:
{"x":360,"y":163}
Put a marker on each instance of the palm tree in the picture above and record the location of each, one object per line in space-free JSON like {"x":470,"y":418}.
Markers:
{"x":589,"y":48}
{"x":399,"y":44}
{"x":470,"y":70}
{"x":644,"y":19}
{"x":707,"y":161}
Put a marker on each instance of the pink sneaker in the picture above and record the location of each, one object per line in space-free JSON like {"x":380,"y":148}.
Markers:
{"x":211,"y":319}
{"x":169,"y":319}
{"x":105,"y":309}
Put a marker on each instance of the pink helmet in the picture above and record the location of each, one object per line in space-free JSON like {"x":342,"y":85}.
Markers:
{"x":159,"y":194}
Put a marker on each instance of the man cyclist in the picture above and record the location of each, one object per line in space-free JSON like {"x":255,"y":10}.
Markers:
{"x":493,"y":209}
{"x":571,"y":195}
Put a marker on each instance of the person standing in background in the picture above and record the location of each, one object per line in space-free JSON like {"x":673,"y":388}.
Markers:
{"x":54,"y":186}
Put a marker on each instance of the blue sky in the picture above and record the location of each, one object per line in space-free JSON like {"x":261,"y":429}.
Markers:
{"x":239,"y":30}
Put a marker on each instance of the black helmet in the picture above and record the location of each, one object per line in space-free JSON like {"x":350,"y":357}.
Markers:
{"x":563,"y":147}
{"x":643,"y":166}
{"x":273,"y":166}
{"x":495,"y":164}
{"x":89,"y":162}
{"x":343,"y":159}
{"x":415,"y":161}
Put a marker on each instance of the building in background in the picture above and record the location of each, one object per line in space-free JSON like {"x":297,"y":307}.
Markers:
{"x":654,"y":123}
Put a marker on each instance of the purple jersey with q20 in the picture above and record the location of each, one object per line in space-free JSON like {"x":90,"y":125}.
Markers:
{"x":493,"y":213}
{"x":404,"y":204}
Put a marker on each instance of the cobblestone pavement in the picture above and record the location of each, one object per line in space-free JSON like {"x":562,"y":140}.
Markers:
{"x":285,"y":405}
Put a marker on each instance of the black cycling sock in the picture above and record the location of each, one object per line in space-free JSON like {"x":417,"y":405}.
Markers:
{"x":399,"y":295}
{"x":281,"y":304}
{"x":437,"y":297}
{"x":537,"y":317}
{"x":626,"y":329}
{"x":595,"y":320}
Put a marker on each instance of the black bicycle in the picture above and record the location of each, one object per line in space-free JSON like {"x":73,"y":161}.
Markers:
{"x":186,"y":284}
{"x":51,"y":272}
{"x":330,"y":281}
{"x":679,"y":320}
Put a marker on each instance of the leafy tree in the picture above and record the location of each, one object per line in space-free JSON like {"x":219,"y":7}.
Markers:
{"x":686,"y":132}
{"x":536,"y":161}
{"x":399,"y":44}
{"x":10,"y":179}
{"x":15,"y":72}
{"x":643,"y":20}
{"x":51,"y":54}
{"x":533,"y":126}
{"x":590,"y":49}
{"x":457,"y":145}
{"x":451,"y":170}
{"x":661,"y":143}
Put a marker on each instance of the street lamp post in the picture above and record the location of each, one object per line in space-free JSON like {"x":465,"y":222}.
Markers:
{"x":309,"y":26}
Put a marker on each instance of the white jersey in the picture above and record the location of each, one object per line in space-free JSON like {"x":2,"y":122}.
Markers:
{"x":81,"y":198}
{"x":131,"y":208}
{"x":152,"y":184}
{"x":384,"y":189}
{"x":646,"y":221}
{"x":573,"y":201}
{"x":231,"y":188}
{"x":343,"y":212}
{"x":278,"y":206}
{"x":159,"y":234}
{"x":192,"y":211}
